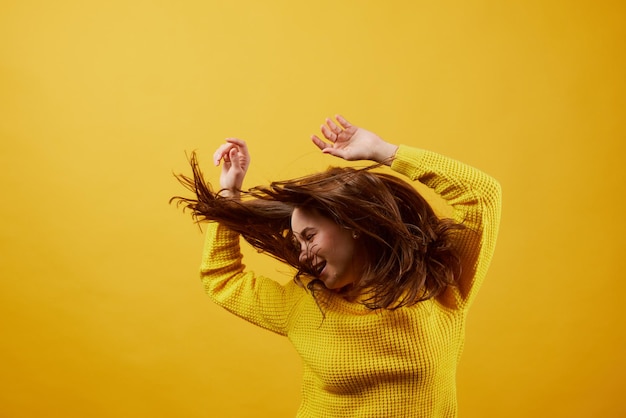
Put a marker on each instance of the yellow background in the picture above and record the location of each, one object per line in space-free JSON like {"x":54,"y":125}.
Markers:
{"x":102,"y":313}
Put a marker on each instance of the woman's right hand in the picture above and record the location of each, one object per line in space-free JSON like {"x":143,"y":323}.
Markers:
{"x":236,"y":160}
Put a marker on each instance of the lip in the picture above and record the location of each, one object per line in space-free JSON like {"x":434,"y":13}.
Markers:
{"x":319,"y":268}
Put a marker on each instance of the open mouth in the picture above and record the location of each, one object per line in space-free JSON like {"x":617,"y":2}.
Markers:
{"x":318,"y":268}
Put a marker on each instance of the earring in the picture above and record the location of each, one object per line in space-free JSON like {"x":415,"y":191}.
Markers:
{"x":355,"y":234}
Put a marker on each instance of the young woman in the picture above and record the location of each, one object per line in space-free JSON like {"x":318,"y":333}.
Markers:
{"x":381,"y":286}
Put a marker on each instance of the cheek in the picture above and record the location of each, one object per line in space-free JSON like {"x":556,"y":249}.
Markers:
{"x":342,"y":249}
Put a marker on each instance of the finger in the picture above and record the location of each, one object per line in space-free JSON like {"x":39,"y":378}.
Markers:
{"x":221,"y":153}
{"x":236,"y":141}
{"x":241,"y":145}
{"x":319,"y":143}
{"x":328,"y":134}
{"x":233,"y":155}
{"x":336,"y":152}
{"x":333,"y":127}
{"x":343,"y":122}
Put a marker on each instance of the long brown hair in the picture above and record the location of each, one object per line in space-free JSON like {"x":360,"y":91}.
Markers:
{"x":410,"y":252}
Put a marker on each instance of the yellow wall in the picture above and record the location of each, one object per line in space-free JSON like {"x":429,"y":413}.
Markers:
{"x":102,"y":311}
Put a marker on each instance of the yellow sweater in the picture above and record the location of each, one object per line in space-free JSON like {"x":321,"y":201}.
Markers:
{"x":363,"y":363}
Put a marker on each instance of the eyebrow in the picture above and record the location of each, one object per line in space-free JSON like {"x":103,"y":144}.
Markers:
{"x":304,"y":231}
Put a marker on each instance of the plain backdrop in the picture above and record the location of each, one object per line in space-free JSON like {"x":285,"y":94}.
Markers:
{"x":102,"y":313}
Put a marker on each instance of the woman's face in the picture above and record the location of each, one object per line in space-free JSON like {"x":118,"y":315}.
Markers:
{"x":330,"y":249}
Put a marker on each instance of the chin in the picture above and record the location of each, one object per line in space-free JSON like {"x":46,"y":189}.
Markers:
{"x":330,"y":284}
{"x":335,"y":284}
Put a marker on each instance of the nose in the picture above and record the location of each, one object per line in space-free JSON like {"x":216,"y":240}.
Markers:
{"x":304,"y":255}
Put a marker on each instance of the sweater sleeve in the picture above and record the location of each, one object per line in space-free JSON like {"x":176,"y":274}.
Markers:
{"x":259,"y":300}
{"x":476,"y":199}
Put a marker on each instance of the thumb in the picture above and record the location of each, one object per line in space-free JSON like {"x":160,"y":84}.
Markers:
{"x":233,"y":155}
{"x":336,"y":152}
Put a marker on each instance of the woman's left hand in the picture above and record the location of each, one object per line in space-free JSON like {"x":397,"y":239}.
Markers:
{"x":353,"y":143}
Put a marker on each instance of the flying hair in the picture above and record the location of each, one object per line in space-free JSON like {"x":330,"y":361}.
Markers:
{"x":410,"y":251}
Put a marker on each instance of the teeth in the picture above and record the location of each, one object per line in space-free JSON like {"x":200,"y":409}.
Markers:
{"x":319,"y":268}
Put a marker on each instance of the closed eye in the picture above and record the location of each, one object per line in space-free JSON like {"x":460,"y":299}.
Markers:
{"x":306,"y":235}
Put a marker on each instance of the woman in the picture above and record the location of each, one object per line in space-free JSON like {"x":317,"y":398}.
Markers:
{"x":382,"y":285}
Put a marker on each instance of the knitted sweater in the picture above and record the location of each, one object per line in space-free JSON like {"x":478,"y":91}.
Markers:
{"x":363,"y":363}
